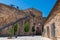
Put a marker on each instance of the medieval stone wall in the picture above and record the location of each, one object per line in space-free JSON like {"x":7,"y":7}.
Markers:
{"x":10,"y":14}
{"x":55,"y":20}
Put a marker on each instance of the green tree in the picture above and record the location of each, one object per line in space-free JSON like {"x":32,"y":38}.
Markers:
{"x":27,"y":25}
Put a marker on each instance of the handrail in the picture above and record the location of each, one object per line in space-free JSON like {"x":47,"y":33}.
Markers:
{"x":12,"y":23}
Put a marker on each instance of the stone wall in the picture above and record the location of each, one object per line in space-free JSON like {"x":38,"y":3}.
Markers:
{"x":52,"y":23}
{"x":10,"y":14}
{"x":56,"y":21}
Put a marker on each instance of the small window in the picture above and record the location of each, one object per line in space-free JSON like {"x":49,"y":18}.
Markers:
{"x":48,"y":32}
{"x":44,"y":30}
{"x":53,"y":30}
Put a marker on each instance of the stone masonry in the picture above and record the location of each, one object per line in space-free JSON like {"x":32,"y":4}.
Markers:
{"x":10,"y":16}
{"x":52,"y":23}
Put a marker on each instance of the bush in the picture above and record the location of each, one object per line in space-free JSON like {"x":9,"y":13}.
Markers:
{"x":11,"y":32}
{"x":27,"y":25}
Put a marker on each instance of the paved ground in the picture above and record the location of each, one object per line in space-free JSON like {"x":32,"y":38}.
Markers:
{"x":25,"y":38}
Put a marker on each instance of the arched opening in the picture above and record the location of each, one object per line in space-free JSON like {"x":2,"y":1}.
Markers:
{"x":38,"y":31}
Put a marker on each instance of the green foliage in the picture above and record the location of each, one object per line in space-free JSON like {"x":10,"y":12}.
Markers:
{"x":27,"y":25}
{"x":33,"y":28}
{"x":15,"y":27}
{"x":11,"y":32}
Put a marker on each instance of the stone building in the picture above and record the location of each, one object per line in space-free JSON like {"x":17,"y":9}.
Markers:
{"x":52,"y":23}
{"x":10,"y":16}
{"x":35,"y":17}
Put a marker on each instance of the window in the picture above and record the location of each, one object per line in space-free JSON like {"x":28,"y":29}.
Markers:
{"x":53,"y":30}
{"x":48,"y":32}
{"x":44,"y":30}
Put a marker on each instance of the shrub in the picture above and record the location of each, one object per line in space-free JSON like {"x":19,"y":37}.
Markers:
{"x":11,"y":32}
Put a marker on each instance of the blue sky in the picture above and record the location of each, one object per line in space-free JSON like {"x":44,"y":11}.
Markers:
{"x":42,"y":5}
